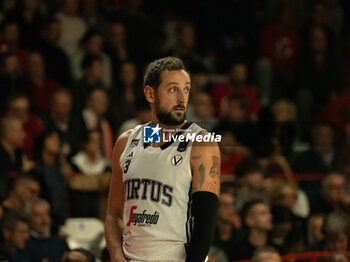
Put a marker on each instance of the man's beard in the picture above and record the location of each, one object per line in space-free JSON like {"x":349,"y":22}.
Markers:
{"x":167,"y":118}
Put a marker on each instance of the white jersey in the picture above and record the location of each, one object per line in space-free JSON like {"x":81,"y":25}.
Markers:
{"x":157,"y":186}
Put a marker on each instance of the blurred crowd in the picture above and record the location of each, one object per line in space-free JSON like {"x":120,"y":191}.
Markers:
{"x":270,"y":76}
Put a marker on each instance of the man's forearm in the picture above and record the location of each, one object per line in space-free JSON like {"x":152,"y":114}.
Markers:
{"x":114,"y":238}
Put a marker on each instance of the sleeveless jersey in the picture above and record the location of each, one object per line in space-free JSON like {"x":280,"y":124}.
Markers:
{"x":157,"y":187}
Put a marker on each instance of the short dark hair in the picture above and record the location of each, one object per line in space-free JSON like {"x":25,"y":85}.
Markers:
{"x":88,"y":60}
{"x":247,"y":166}
{"x":11,"y":218}
{"x":247,"y":207}
{"x":156,"y":68}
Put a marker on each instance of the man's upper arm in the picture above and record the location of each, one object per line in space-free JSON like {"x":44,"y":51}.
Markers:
{"x":116,"y":191}
{"x":205,"y":165}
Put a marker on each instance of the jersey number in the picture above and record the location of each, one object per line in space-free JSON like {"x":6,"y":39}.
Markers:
{"x":126,"y":166}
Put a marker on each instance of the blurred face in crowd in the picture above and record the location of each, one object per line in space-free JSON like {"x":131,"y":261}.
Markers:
{"x":36,"y":66}
{"x":116,"y":34}
{"x":228,"y":141}
{"x":236,"y":112}
{"x":98,"y":102}
{"x":186,"y":37}
{"x":238,"y":74}
{"x":61,"y":104}
{"x":40,"y":220}
{"x":93,"y":146}
{"x":323,"y":136}
{"x":287,"y":197}
{"x":14,"y":133}
{"x":318,"y":14}
{"x":96,"y":71}
{"x":254,"y":181}
{"x":52,"y":143}
{"x":315,"y":227}
{"x":283,"y":111}
{"x":334,"y":188}
{"x":70,"y":7}
{"x":318,"y":40}
{"x":31,"y":5}
{"x":16,"y":238}
{"x":260,"y":218}
{"x":10,"y":34}
{"x":226,"y":208}
{"x":268,"y":257}
{"x":338,"y":242}
{"x":94,"y":45}
{"x":52,"y":32}
{"x":128,"y":74}
{"x":19,"y":108}
{"x":203,"y":106}
{"x":27,"y":190}
{"x":11,"y":65}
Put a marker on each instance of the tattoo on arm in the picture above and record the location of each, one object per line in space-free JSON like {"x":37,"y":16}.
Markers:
{"x":202,"y":174}
{"x":196,"y":157}
{"x":214,"y":170}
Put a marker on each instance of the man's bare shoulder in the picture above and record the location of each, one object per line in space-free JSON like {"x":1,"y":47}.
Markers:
{"x":122,"y":140}
{"x":200,"y":145}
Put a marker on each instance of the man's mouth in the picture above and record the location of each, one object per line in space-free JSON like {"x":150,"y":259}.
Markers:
{"x":179,"y":108}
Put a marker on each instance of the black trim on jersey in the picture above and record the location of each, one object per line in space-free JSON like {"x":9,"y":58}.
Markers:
{"x":188,"y":224}
{"x":167,"y":144}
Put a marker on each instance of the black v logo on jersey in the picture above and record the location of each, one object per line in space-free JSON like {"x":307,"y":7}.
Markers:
{"x":176,"y":160}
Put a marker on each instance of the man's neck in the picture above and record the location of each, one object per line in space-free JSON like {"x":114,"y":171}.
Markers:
{"x":171,"y":130}
{"x":257,"y":238}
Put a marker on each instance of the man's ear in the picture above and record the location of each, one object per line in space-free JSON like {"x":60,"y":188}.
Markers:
{"x":149,"y":94}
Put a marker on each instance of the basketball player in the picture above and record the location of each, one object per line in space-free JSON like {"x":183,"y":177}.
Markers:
{"x":166,"y":194}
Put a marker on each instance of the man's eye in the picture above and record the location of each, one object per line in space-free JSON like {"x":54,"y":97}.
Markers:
{"x":173,"y":89}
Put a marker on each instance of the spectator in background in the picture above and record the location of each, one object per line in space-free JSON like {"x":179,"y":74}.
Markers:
{"x":237,"y":85}
{"x":18,"y":107}
{"x":126,"y":93}
{"x":61,"y":120}
{"x":323,"y":156}
{"x":238,"y":121}
{"x":49,"y":169}
{"x":15,"y":232}
{"x":279,"y":45}
{"x":202,"y":111}
{"x":41,"y":86}
{"x":333,"y":195}
{"x":257,"y":222}
{"x":266,"y":254}
{"x":41,"y":244}
{"x":226,"y":234}
{"x":10,"y":42}
{"x":92,"y":78}
{"x":24,"y":190}
{"x":73,"y":26}
{"x":12,"y":159}
{"x":231,"y":153}
{"x":57,"y":65}
{"x":92,"y":168}
{"x":336,"y":234}
{"x":93,"y":118}
{"x":116,"y":47}
{"x":92,"y":44}
{"x":185,"y":45}
{"x":314,"y":229}
{"x":94,"y":19}
{"x":29,"y":15}
{"x":10,"y":79}
{"x":251,"y":182}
